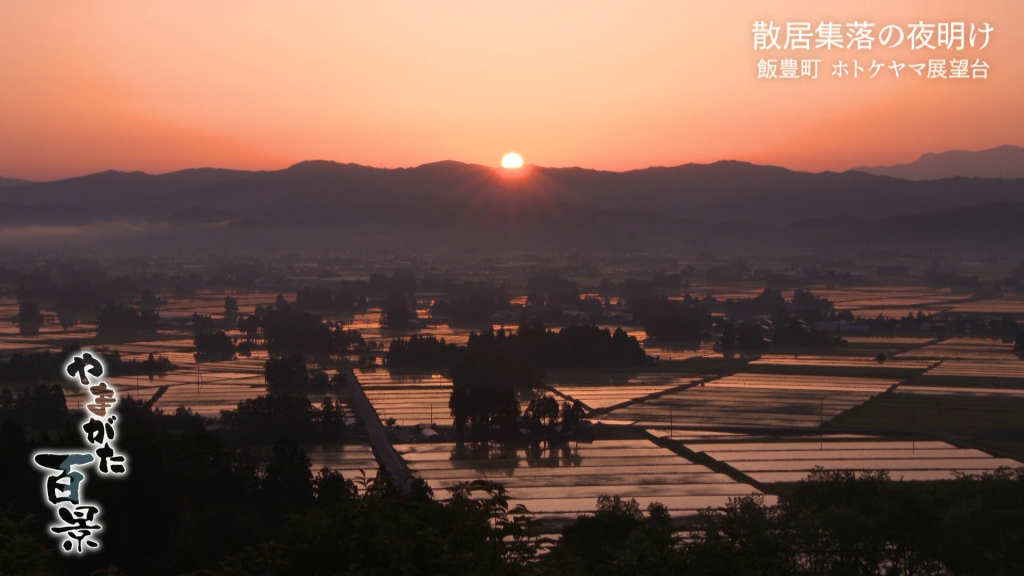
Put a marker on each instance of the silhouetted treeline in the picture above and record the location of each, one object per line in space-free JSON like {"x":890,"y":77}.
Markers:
{"x":494,"y":368}
{"x":792,"y":332}
{"x":38,"y":407}
{"x":284,"y":330}
{"x":117,"y":366}
{"x":39,"y":366}
{"x":633,"y":288}
{"x":289,"y":374}
{"x":911,"y":322}
{"x":749,"y":336}
{"x":264,"y":419}
{"x":213,"y":347}
{"x":422,"y":351}
{"x":148,"y":300}
{"x":395,"y":311}
{"x":672,"y":320}
{"x":342,"y":297}
{"x":936,"y":277}
{"x":116,"y":320}
{"x":767,"y":302}
{"x":193,"y":503}
{"x":486,"y":383}
{"x":35,"y":366}
{"x":575,"y":346}
{"x":401,"y":281}
{"x":546,"y":419}
{"x":29,"y":319}
{"x":834,"y":523}
{"x":477,"y":308}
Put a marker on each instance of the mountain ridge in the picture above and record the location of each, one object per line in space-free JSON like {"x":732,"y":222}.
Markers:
{"x":1006,"y":161}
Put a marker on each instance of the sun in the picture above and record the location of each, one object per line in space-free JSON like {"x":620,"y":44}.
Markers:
{"x":512,"y":161}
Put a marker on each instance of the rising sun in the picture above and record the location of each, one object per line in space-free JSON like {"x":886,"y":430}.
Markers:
{"x":512,"y":160}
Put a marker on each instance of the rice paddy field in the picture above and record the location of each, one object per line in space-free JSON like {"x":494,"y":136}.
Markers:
{"x":755,"y":400}
{"x":962,"y":398}
{"x":671,"y":352}
{"x":769,"y":462}
{"x":964,"y":349}
{"x":1010,"y":305}
{"x":408,"y":398}
{"x":883,"y":297}
{"x":560,"y":483}
{"x":938,"y":409}
{"x":602,"y":390}
{"x":841,"y":362}
{"x":1012,"y":369}
{"x":354,"y":461}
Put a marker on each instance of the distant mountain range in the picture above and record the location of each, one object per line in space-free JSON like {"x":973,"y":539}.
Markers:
{"x":1001,"y":162}
{"x":4,"y":182}
{"x":452,"y":206}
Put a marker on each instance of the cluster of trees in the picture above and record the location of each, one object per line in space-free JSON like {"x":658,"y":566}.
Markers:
{"x":395,"y":312}
{"x":909,"y":323}
{"x":471,"y":302}
{"x":117,"y":320}
{"x":285,"y":330}
{"x":544,"y":418}
{"x":476,"y":309}
{"x":401,"y":281}
{"x":264,"y":419}
{"x":791,"y":332}
{"x":805,"y":299}
{"x":148,"y":300}
{"x":936,"y":277}
{"x":575,"y":346}
{"x":117,"y":366}
{"x":39,"y":407}
{"x":672,"y":320}
{"x":41,"y":366}
{"x":29,"y":319}
{"x":833,"y":523}
{"x":289,"y":375}
{"x":749,"y":336}
{"x":222,"y":509}
{"x":344,"y":297}
{"x":1005,"y":328}
{"x":494,"y":369}
{"x":661,"y":283}
{"x":486,"y":384}
{"x":421,"y":351}
{"x":213,"y":347}
{"x":36,"y":366}
{"x":767,"y":302}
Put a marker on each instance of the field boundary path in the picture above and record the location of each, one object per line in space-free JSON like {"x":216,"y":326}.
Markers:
{"x":701,"y":458}
{"x":160,"y":392}
{"x":382,"y":448}
{"x":651,"y":396}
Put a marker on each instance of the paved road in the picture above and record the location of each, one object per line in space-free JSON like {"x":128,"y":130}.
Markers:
{"x":382,"y":448}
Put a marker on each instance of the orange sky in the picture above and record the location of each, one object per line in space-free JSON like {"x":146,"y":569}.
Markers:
{"x":162,"y":85}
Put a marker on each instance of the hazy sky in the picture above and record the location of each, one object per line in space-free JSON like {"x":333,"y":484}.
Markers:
{"x":162,"y":85}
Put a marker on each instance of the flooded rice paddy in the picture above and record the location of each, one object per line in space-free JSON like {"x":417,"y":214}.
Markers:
{"x":602,"y":390}
{"x":755,"y":400}
{"x":561,"y":482}
{"x":768,"y":462}
{"x":970,"y":386}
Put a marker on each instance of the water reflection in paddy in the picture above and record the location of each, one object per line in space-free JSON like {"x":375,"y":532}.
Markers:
{"x":561,"y":482}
